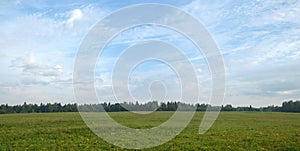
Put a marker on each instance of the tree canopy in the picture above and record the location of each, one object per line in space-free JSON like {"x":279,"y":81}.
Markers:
{"x":287,"y":106}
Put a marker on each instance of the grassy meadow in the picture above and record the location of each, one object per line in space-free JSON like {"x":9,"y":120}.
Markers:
{"x":231,"y":131}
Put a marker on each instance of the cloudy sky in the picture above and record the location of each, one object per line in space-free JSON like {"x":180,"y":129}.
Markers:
{"x":259,"y":41}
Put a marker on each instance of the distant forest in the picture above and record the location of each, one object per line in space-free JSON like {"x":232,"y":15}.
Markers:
{"x":287,"y":106}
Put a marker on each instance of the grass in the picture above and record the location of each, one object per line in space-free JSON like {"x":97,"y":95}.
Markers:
{"x":231,"y":131}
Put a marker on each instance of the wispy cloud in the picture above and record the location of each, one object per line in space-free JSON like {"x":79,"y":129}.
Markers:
{"x":75,"y":15}
{"x":259,"y":40}
{"x":38,"y":49}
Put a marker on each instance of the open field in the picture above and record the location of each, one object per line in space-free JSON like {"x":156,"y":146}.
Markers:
{"x":231,"y":131}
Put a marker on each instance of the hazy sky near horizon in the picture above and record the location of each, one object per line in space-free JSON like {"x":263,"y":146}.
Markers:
{"x":259,"y":41}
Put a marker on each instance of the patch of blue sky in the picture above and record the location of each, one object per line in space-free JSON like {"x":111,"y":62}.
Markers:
{"x":259,"y":41}
{"x":139,"y":34}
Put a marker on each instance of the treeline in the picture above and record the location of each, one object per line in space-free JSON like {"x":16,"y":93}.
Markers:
{"x":287,"y":106}
{"x":34,"y":108}
{"x":290,"y":106}
{"x":129,"y":106}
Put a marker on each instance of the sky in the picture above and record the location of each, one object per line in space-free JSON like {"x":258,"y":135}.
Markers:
{"x":259,"y":42}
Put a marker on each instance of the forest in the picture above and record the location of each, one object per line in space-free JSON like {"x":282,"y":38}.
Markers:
{"x":287,"y":106}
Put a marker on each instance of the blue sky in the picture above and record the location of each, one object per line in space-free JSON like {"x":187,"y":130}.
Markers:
{"x":259,"y":41}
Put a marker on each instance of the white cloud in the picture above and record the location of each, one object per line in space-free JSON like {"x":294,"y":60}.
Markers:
{"x":35,"y":73}
{"x":260,"y":45}
{"x":274,"y":12}
{"x":37,"y":49}
{"x":75,"y":15}
{"x":58,"y":68}
{"x":253,"y":37}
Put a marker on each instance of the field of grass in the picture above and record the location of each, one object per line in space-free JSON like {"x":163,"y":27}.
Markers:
{"x":231,"y":131}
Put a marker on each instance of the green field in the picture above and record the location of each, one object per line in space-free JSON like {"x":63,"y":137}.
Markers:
{"x":231,"y":131}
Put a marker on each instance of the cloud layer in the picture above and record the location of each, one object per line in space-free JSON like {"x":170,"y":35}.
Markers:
{"x":259,"y":40}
